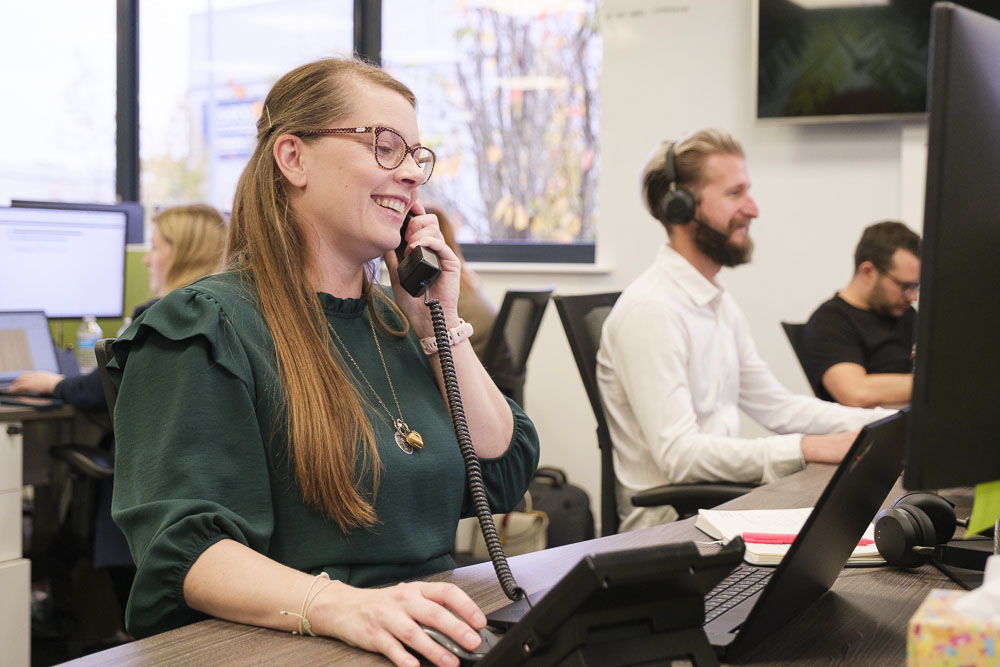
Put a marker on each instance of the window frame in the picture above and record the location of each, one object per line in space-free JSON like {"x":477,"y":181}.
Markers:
{"x":368,"y":45}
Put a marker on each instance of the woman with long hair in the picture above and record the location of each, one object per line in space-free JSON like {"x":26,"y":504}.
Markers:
{"x":284,"y":441}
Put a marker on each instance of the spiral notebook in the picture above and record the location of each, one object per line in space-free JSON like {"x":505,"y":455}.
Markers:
{"x":769,"y":534}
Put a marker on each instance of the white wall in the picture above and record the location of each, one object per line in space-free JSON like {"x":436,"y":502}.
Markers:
{"x":676,"y":66}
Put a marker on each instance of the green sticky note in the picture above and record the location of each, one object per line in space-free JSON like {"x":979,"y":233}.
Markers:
{"x":985,"y":507}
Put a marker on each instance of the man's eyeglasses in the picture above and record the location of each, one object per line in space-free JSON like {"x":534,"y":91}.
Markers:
{"x":903,"y":286}
{"x":389,"y":147}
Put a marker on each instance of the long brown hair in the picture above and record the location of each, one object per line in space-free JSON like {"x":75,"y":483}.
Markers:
{"x":326,"y":419}
{"x":197,"y":237}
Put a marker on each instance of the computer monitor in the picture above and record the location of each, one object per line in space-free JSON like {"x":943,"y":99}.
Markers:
{"x":65,"y":262}
{"x":134,"y":213}
{"x":955,"y":423}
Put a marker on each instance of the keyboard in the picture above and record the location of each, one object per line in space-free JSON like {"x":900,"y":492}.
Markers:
{"x":741,"y":583}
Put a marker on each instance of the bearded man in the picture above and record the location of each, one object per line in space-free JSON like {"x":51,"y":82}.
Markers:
{"x":858,"y":347}
{"x":676,"y":362}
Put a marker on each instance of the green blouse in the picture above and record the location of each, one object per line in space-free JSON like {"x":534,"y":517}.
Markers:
{"x":202,"y":452}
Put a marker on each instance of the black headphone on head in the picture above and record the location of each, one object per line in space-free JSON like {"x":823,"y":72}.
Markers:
{"x":678,"y":204}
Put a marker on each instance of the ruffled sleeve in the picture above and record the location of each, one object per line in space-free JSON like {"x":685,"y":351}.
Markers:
{"x":507,"y":476}
{"x":191,"y":468}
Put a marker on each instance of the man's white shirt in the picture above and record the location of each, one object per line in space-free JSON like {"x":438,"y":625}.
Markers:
{"x":676,"y":364}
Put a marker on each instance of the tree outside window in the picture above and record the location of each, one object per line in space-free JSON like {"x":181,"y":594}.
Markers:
{"x":507,"y":98}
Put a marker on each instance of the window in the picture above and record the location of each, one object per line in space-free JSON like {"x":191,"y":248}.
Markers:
{"x":205,"y":68}
{"x":59,"y":111}
{"x":507,"y":98}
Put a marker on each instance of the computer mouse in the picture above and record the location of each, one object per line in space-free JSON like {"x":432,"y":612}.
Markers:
{"x":489,"y":641}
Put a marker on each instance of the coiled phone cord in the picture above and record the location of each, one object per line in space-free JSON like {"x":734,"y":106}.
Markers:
{"x":473,"y":471}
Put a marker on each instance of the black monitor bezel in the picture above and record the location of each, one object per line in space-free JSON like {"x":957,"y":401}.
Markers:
{"x":135,"y":215}
{"x":952,"y":439}
{"x":120,"y":311}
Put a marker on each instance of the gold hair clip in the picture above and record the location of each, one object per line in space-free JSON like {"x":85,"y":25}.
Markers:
{"x":270,"y":125}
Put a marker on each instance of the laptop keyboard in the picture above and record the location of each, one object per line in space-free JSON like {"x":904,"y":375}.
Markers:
{"x":741,"y":583}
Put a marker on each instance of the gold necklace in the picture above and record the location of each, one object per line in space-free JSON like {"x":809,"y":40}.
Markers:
{"x":406,"y":438}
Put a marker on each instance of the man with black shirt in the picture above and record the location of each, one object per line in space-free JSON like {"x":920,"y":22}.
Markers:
{"x":859,"y":345}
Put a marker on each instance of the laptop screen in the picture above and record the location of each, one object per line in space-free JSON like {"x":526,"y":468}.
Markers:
{"x":25,"y":345}
{"x":846,"y":507}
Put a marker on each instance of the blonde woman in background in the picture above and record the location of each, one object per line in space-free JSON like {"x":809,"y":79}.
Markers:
{"x":187,"y":243}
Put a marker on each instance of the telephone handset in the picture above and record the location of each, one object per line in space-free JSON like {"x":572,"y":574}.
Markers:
{"x":420,"y":268}
{"x":417,"y":272}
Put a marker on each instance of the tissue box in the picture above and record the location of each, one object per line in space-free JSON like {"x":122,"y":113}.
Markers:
{"x":940,"y":636}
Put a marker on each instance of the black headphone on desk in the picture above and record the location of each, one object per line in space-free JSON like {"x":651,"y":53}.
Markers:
{"x":678,"y":204}
{"x":916,"y":530}
{"x":907,"y":532}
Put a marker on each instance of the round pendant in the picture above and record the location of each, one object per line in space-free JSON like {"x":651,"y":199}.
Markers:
{"x":403,"y":444}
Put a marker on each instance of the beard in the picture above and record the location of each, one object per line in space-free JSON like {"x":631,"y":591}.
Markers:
{"x":881,"y":304}
{"x":718,"y":248}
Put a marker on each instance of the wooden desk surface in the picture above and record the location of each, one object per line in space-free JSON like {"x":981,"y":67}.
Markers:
{"x":861,"y":621}
{"x":13,"y":413}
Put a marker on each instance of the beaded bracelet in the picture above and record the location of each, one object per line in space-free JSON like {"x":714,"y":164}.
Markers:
{"x":304,"y":626}
{"x":456,"y":335}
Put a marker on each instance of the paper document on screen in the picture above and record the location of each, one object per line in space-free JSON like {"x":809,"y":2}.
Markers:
{"x":770,"y":526}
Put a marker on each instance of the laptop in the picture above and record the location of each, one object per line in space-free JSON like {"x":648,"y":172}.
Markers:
{"x":850,"y":501}
{"x":25,"y":345}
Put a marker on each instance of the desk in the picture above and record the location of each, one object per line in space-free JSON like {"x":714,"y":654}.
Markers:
{"x":863,"y":621}
{"x":43,"y":428}
{"x":25,"y":436}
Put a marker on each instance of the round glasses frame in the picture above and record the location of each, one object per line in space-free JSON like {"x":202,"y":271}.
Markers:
{"x":903,"y":286}
{"x":423,"y":156}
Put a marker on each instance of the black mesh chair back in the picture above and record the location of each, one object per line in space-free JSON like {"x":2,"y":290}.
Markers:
{"x":102,"y":350}
{"x":94,"y":462}
{"x":88,"y":466}
{"x":511,"y":337}
{"x":582,"y":317}
{"x":795,"y":333}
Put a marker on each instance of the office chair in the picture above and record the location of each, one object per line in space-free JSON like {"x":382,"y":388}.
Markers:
{"x":102,"y":350}
{"x":88,"y":465}
{"x":582,"y":317}
{"x":511,"y":337}
{"x":80,"y":489}
{"x":795,"y":333}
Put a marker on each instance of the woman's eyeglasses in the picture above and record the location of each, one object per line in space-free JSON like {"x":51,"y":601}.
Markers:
{"x":389,"y":147}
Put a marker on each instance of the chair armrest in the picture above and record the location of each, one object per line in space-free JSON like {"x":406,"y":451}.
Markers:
{"x":86,"y":460}
{"x":687,"y":499}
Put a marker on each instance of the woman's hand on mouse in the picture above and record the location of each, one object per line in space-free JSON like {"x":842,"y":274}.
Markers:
{"x":386,"y":620}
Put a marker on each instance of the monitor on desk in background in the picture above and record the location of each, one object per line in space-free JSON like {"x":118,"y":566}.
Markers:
{"x":134,"y":213}
{"x":65,"y":262}
{"x":955,"y":421}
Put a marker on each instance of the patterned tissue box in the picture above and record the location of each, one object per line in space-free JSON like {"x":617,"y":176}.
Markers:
{"x":941,"y":637}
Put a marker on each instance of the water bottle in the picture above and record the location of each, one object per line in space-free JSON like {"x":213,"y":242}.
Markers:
{"x":86,"y":337}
